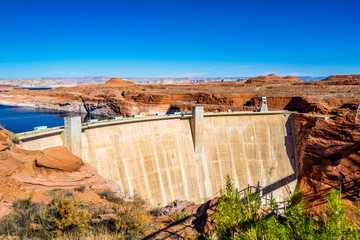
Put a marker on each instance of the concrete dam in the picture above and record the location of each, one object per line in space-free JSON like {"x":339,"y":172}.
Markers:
{"x":165,"y":158}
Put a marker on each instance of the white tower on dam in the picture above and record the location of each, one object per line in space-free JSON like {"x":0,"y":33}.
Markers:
{"x":165,"y":158}
{"x":72,"y":135}
{"x":197,"y":129}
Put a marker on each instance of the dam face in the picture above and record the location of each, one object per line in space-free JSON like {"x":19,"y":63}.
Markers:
{"x":164,"y":159}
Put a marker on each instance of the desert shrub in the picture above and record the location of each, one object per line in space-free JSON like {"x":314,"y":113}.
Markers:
{"x":334,"y":221}
{"x":80,"y":189}
{"x":15,"y":139}
{"x":8,"y":226}
{"x":235,"y":214}
{"x":62,"y":192}
{"x":98,"y":233}
{"x":109,"y":195}
{"x":299,"y":224}
{"x":66,"y":215}
{"x":181,"y":216}
{"x":29,"y":219}
{"x":132,"y":219}
{"x":157,"y":212}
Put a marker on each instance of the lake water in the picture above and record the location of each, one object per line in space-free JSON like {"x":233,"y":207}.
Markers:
{"x":21,"y":119}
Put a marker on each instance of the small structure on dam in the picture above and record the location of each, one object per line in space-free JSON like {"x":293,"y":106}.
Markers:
{"x":171,"y":157}
{"x":72,"y":135}
{"x":262,"y":106}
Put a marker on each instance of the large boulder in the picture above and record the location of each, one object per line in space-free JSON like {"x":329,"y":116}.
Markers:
{"x":59,"y":158}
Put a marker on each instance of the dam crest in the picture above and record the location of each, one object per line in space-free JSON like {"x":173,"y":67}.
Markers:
{"x":165,"y":158}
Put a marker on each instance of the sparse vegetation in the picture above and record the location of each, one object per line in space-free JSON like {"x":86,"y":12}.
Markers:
{"x":29,"y":219}
{"x":63,"y":192}
{"x":240,"y":216}
{"x":156,"y":211}
{"x":110,"y":196}
{"x":132,"y":219}
{"x":15,"y":139}
{"x":237,"y":216}
{"x":66,"y":218}
{"x":80,"y":189}
{"x":181,"y":217}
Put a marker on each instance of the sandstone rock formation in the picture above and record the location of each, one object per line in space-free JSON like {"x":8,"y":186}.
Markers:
{"x":128,"y":98}
{"x":6,"y":88}
{"x":58,"y":158}
{"x":328,"y":153}
{"x":22,"y":170}
{"x":117,"y":82}
{"x":273,"y":79}
{"x":342,"y":80}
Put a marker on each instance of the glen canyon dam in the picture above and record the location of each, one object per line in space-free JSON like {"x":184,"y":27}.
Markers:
{"x":188,"y":156}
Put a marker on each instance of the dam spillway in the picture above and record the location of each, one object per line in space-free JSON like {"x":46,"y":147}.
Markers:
{"x":180,"y":157}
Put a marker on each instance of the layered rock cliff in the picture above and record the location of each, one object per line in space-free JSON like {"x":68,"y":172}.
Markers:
{"x":328,"y":154}
{"x":342,"y":80}
{"x":273,"y":79}
{"x":121,"y":97}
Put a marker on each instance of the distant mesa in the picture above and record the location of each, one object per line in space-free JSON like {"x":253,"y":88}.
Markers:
{"x":6,"y":88}
{"x":353,"y":79}
{"x":117,"y":82}
{"x":272,"y":78}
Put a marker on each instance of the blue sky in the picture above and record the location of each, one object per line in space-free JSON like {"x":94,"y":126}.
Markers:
{"x":171,"y":38}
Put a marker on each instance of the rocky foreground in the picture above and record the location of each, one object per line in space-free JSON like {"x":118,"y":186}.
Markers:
{"x":22,"y":171}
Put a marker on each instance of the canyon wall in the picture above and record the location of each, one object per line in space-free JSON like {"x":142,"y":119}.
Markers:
{"x":156,"y":158}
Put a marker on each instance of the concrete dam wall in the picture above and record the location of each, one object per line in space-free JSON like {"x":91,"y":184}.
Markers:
{"x":187,"y":157}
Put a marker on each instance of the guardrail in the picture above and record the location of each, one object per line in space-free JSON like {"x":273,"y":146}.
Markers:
{"x":109,"y":122}
{"x":265,"y":199}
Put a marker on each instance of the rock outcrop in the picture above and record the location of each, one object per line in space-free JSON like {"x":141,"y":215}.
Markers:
{"x":328,"y":153}
{"x":55,"y":168}
{"x":117,"y":82}
{"x":342,"y":80}
{"x":58,"y":158}
{"x":121,"y":97}
{"x":273,"y":79}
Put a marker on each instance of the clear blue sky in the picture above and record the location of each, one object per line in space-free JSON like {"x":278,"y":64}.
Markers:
{"x":178,"y":38}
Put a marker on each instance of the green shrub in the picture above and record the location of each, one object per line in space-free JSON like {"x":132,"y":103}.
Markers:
{"x":236,"y":214}
{"x":80,"y":189}
{"x":132,"y":219}
{"x":63,"y":192}
{"x":182,"y":216}
{"x":66,"y":215}
{"x":238,"y":217}
{"x":29,"y":219}
{"x":157,"y":212}
{"x":15,"y":139}
{"x":299,"y":224}
{"x":110,"y":195}
{"x":333,"y":221}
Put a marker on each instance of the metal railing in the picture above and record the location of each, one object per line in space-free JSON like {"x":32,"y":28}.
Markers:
{"x":265,"y":199}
